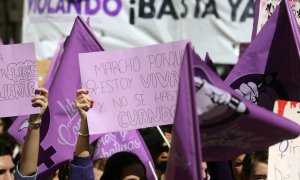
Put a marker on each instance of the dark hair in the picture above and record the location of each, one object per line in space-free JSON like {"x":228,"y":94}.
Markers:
{"x":248,"y":162}
{"x":5,"y":149}
{"x":117,"y":162}
{"x":6,"y":123}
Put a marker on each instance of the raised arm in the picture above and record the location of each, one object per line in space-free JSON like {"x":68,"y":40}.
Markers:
{"x":30,"y":151}
{"x":83,"y":103}
{"x":81,"y":165}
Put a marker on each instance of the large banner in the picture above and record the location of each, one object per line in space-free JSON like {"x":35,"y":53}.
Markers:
{"x":216,"y":26}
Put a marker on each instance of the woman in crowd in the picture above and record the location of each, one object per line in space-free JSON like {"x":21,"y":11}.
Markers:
{"x":237,"y":166}
{"x":255,"y":166}
{"x":122,"y":165}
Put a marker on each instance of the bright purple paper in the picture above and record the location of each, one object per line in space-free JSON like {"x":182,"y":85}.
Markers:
{"x":184,"y":160}
{"x":269,"y":69}
{"x":18,"y":79}
{"x":131,"y":141}
{"x":229,"y":123}
{"x":19,"y":127}
{"x":132,"y":88}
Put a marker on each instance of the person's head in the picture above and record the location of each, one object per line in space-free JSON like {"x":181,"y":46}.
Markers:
{"x":157,"y":146}
{"x":6,"y":162}
{"x":255,"y":165}
{"x":237,"y":165}
{"x":124,"y":166}
{"x":4,"y":124}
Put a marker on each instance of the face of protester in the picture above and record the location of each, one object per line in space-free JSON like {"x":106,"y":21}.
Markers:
{"x":237,"y":166}
{"x":259,"y":171}
{"x":133,"y":172}
{"x":6,"y":167}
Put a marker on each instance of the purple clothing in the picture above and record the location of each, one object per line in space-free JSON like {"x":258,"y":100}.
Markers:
{"x":19,"y":176}
{"x":81,"y":168}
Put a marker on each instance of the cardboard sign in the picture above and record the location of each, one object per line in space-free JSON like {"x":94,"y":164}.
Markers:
{"x":133,"y":88}
{"x":284,"y":157}
{"x":18,"y":79}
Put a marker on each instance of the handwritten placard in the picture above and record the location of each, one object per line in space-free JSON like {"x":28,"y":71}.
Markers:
{"x":132,"y":88}
{"x":284,"y":157}
{"x":267,"y":7}
{"x":18,"y":79}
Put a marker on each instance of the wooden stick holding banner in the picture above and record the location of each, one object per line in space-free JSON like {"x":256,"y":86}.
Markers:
{"x":152,"y":170}
{"x":163,"y":136}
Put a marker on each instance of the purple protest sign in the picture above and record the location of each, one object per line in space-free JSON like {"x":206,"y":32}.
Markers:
{"x":184,"y":161}
{"x":18,"y":79}
{"x":113,"y":142}
{"x":268,"y":70}
{"x":232,"y":125}
{"x":19,"y":127}
{"x":132,"y":88}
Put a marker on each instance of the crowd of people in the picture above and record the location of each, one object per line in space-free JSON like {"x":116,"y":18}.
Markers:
{"x":20,"y":161}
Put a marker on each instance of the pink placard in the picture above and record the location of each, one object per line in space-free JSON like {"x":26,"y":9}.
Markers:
{"x":18,"y":79}
{"x":132,"y":88}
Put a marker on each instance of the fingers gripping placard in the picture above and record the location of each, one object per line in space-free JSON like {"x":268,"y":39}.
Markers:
{"x":132,"y":88}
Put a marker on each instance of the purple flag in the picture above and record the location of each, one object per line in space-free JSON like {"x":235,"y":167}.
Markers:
{"x":54,"y":64}
{"x":19,"y":127}
{"x":217,"y":169}
{"x":269,"y":69}
{"x":58,"y":145}
{"x":210,"y":63}
{"x":232,"y":125}
{"x":185,"y":154}
{"x":111,"y":143}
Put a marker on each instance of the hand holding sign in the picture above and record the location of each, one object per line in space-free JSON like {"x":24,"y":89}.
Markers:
{"x":40,"y":100}
{"x":83,"y":102}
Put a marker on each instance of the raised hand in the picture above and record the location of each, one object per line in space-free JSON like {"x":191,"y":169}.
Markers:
{"x":83,"y":102}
